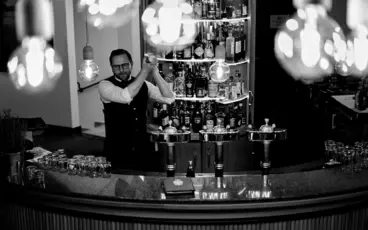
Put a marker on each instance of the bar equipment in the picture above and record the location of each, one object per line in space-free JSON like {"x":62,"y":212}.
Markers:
{"x":219,"y":135}
{"x":170,"y":136}
{"x":266,"y":134}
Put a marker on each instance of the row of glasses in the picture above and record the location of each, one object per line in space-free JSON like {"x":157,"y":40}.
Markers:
{"x":354,"y":158}
{"x":36,"y":176}
{"x":81,"y":165}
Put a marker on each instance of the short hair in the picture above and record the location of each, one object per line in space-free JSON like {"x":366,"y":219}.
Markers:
{"x":119,"y":52}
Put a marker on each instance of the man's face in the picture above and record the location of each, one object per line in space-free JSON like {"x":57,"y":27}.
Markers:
{"x":121,"y":67}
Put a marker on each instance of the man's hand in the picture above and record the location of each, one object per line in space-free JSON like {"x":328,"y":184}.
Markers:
{"x":148,"y":66}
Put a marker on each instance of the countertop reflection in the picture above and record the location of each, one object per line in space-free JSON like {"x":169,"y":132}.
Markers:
{"x":247,"y":187}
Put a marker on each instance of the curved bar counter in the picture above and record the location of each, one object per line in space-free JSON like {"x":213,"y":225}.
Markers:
{"x":319,"y":199}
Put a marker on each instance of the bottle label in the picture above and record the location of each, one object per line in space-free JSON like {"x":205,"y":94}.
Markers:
{"x":199,"y":51}
{"x":197,"y":120}
{"x":234,"y":92}
{"x":220,"y":122}
{"x":176,"y":122}
{"x":245,"y":10}
{"x":200,"y":92}
{"x":209,"y":53}
{"x":238,"y":88}
{"x":232,"y":48}
{"x":187,"y":53}
{"x":155,"y":112}
{"x":238,"y":47}
{"x":165,"y":121}
{"x":212,"y":89}
{"x":232,"y":122}
{"x":210,"y":124}
{"x":187,"y":120}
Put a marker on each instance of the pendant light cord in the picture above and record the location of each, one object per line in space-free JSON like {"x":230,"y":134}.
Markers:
{"x":87,"y":33}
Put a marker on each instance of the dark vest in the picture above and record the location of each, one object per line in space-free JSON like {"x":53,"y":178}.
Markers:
{"x":127,"y":142}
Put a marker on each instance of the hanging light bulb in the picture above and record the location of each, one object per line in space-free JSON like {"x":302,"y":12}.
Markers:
{"x":168,"y":23}
{"x":88,"y":70}
{"x":310,"y":43}
{"x":220,"y":70}
{"x":34,"y":66}
{"x":357,"y":42}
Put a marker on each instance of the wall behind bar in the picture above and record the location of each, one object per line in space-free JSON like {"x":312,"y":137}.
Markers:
{"x":103,"y":42}
{"x":60,"y":106}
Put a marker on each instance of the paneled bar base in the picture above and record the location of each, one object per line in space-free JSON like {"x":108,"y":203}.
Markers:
{"x":35,"y":210}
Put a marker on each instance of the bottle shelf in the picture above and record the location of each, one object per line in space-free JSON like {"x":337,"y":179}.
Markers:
{"x":218,"y":100}
{"x":217,"y":20}
{"x":201,"y":60}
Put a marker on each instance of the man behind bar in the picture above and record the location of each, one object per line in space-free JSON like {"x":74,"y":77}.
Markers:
{"x":125,"y":101}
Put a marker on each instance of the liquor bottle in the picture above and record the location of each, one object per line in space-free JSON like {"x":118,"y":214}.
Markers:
{"x":200,"y":87}
{"x":164,"y":115}
{"x":197,"y":9}
{"x":243,"y":52}
{"x":220,"y":44}
{"x":210,"y":118}
{"x":189,"y":84}
{"x":175,"y":116}
{"x":179,"y":83}
{"x":179,"y":54}
{"x":221,"y":118}
{"x":223,"y":91}
{"x":187,"y":52}
{"x":181,"y":113}
{"x":190,"y":169}
{"x":238,"y":11}
{"x":233,"y":89}
{"x":187,"y":118}
{"x":155,"y":112}
{"x":204,"y":9}
{"x":245,"y":8}
{"x":238,"y":81}
{"x":211,"y":9}
{"x":238,"y":44}
{"x":233,"y":117}
{"x":169,"y":77}
{"x":242,"y":119}
{"x":198,"y":45}
{"x":209,"y":50}
{"x":212,"y":89}
{"x":230,"y":48}
{"x":218,"y":9}
{"x":197,"y":120}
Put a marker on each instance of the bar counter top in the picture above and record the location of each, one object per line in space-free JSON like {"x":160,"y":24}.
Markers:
{"x":245,"y":196}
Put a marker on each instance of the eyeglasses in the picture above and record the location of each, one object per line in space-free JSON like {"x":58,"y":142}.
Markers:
{"x":123,"y":66}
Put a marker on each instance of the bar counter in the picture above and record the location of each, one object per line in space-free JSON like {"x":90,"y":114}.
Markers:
{"x":317,"y":199}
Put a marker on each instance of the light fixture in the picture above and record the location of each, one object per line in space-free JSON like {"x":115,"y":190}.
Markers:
{"x":310,"y":43}
{"x":88,"y":70}
{"x":34,"y":66}
{"x":357,"y":42}
{"x":168,"y":23}
{"x":220,"y":70}
{"x":109,"y":13}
